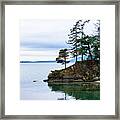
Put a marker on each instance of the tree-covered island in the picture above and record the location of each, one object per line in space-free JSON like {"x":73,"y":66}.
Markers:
{"x":85,"y":50}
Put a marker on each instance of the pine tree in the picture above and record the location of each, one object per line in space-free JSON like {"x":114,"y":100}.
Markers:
{"x":76,"y":39}
{"x":96,"y":43}
{"x":63,"y":56}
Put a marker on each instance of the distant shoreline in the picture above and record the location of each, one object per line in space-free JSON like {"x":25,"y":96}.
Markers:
{"x":40,"y":61}
{"x":37,"y":61}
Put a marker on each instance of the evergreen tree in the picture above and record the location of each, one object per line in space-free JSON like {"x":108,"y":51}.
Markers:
{"x":63,"y":56}
{"x":96,"y":43}
{"x":76,"y":39}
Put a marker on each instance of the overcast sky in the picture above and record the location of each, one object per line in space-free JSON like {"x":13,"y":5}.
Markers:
{"x":42,"y":39}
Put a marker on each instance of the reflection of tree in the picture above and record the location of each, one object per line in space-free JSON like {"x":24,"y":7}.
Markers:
{"x":79,"y":91}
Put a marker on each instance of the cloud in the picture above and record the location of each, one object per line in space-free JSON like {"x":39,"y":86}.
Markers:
{"x":41,"y":45}
{"x":44,"y":33}
{"x":39,"y":55}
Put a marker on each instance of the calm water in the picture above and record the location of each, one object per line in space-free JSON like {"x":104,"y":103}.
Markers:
{"x":40,"y":90}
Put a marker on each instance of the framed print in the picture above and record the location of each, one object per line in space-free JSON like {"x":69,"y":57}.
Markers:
{"x":59,"y":59}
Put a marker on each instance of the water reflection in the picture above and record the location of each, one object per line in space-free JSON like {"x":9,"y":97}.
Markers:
{"x":78,"y":91}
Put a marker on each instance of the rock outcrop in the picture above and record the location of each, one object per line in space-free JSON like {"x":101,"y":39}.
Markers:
{"x":87,"y":71}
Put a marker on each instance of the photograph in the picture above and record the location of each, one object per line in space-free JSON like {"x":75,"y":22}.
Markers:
{"x":59,"y":59}
{"x":57,"y":56}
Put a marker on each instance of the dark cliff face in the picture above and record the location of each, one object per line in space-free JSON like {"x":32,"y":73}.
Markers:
{"x":81,"y":71}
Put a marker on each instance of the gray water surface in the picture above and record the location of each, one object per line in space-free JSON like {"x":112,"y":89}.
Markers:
{"x":32,"y":86}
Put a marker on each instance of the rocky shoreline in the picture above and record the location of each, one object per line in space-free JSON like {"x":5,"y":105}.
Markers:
{"x":83,"y":71}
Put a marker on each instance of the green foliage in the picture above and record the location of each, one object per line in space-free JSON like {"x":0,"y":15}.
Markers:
{"x":76,"y":39}
{"x":63,"y":56}
{"x":83,"y":44}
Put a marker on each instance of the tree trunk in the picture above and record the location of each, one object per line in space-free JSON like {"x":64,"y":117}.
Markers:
{"x":82,"y":57}
{"x":76,"y":58}
{"x":89,"y":51}
{"x":65,"y":63}
{"x":76,"y":52}
{"x":81,"y":45}
{"x":65,"y":95}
